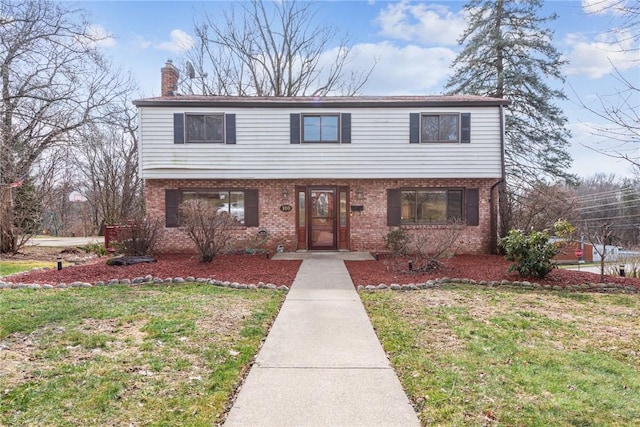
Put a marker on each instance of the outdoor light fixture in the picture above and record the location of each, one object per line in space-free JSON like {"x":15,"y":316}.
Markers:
{"x":285,"y":194}
{"x":359,"y":193}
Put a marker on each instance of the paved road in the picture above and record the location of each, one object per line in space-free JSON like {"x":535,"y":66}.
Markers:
{"x":63,"y":242}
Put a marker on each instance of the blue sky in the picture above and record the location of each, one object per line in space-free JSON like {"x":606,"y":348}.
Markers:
{"x":414,"y":43}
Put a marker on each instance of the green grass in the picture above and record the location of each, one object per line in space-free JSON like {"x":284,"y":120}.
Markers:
{"x":10,"y":267}
{"x":477,"y":356}
{"x":170,"y":355}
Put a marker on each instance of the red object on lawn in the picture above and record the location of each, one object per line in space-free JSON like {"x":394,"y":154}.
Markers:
{"x":579,"y":253}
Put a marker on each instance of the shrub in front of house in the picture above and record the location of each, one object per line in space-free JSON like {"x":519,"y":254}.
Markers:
{"x":137,"y":238}
{"x":531,"y":253}
{"x":209,"y":229}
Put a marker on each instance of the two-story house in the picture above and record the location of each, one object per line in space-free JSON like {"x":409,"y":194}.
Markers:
{"x":324,"y":173}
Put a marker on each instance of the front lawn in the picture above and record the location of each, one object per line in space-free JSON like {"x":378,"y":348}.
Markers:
{"x":12,"y":266}
{"x":149,"y":355}
{"x":470,"y":355}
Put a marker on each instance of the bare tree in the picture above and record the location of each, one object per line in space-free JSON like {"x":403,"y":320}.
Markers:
{"x":55,"y":177}
{"x":540,"y":206}
{"x":106,"y":156}
{"x":620,"y":109}
{"x":53,"y":80}
{"x":600,"y":201}
{"x":272,"y":49}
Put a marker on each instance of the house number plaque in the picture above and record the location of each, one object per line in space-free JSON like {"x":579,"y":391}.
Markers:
{"x":286,"y":208}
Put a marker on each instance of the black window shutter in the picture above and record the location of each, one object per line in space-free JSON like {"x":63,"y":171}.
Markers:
{"x":230,"y":125}
{"x":394,"y":204}
{"x":414,"y":128}
{"x":295,"y":128}
{"x":472,"y":202}
{"x":251,"y":208}
{"x":465,"y":128}
{"x":171,"y":201}
{"x":345,"y":124}
{"x":178,"y":128}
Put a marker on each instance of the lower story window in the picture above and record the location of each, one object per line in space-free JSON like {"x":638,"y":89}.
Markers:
{"x":242,"y":204}
{"x":431,"y":206}
{"x":231,"y":202}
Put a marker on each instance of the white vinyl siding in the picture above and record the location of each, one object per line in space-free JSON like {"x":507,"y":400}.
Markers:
{"x":379,"y":147}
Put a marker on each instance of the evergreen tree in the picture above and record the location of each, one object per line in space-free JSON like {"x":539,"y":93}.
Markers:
{"x":507,"y":53}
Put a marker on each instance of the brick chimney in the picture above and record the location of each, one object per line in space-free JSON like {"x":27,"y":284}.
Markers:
{"x":170,"y":75}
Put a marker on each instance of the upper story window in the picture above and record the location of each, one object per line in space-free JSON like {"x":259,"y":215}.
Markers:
{"x":440,"y":128}
{"x":320,"y":128}
{"x":204,"y":127}
{"x":323,"y":128}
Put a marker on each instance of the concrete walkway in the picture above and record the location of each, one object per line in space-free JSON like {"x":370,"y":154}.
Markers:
{"x":322,"y":364}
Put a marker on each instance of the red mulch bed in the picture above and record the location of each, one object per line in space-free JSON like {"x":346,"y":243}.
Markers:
{"x":257,"y":268}
{"x":476,"y":267}
{"x":234,"y":268}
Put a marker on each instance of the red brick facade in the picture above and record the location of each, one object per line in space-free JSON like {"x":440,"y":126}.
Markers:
{"x":367,"y":228}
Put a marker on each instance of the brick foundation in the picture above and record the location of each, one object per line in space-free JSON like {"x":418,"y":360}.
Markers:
{"x":367,"y":228}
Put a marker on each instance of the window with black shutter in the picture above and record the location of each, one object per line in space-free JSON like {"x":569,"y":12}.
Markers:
{"x":241,"y":204}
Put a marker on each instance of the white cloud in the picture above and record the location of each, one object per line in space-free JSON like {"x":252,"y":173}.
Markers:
{"x":179,"y":42}
{"x":597,"y":58}
{"x":408,"y":70}
{"x":419,"y":22}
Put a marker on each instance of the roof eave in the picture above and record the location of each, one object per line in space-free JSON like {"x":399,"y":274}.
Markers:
{"x":492,"y":102}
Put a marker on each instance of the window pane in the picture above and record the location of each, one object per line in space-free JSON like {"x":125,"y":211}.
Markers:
{"x":236,"y":205}
{"x":329,"y":131}
{"x":449,"y":128}
{"x":214,"y":128}
{"x":343,"y":209}
{"x":454,"y":208}
{"x":430,"y":128}
{"x":408,"y":209}
{"x":301,"y":209}
{"x":320,"y":128}
{"x":204,"y":128}
{"x":432,"y":206}
{"x":311,"y":131}
{"x":195,"y":128}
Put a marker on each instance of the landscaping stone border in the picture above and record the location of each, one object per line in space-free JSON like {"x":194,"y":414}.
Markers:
{"x":146,"y":280}
{"x":149,"y":279}
{"x":585,"y":287}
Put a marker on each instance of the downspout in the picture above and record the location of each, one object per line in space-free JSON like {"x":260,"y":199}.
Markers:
{"x":493,"y":243}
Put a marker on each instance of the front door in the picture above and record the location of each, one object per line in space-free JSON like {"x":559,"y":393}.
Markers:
{"x":322,"y":219}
